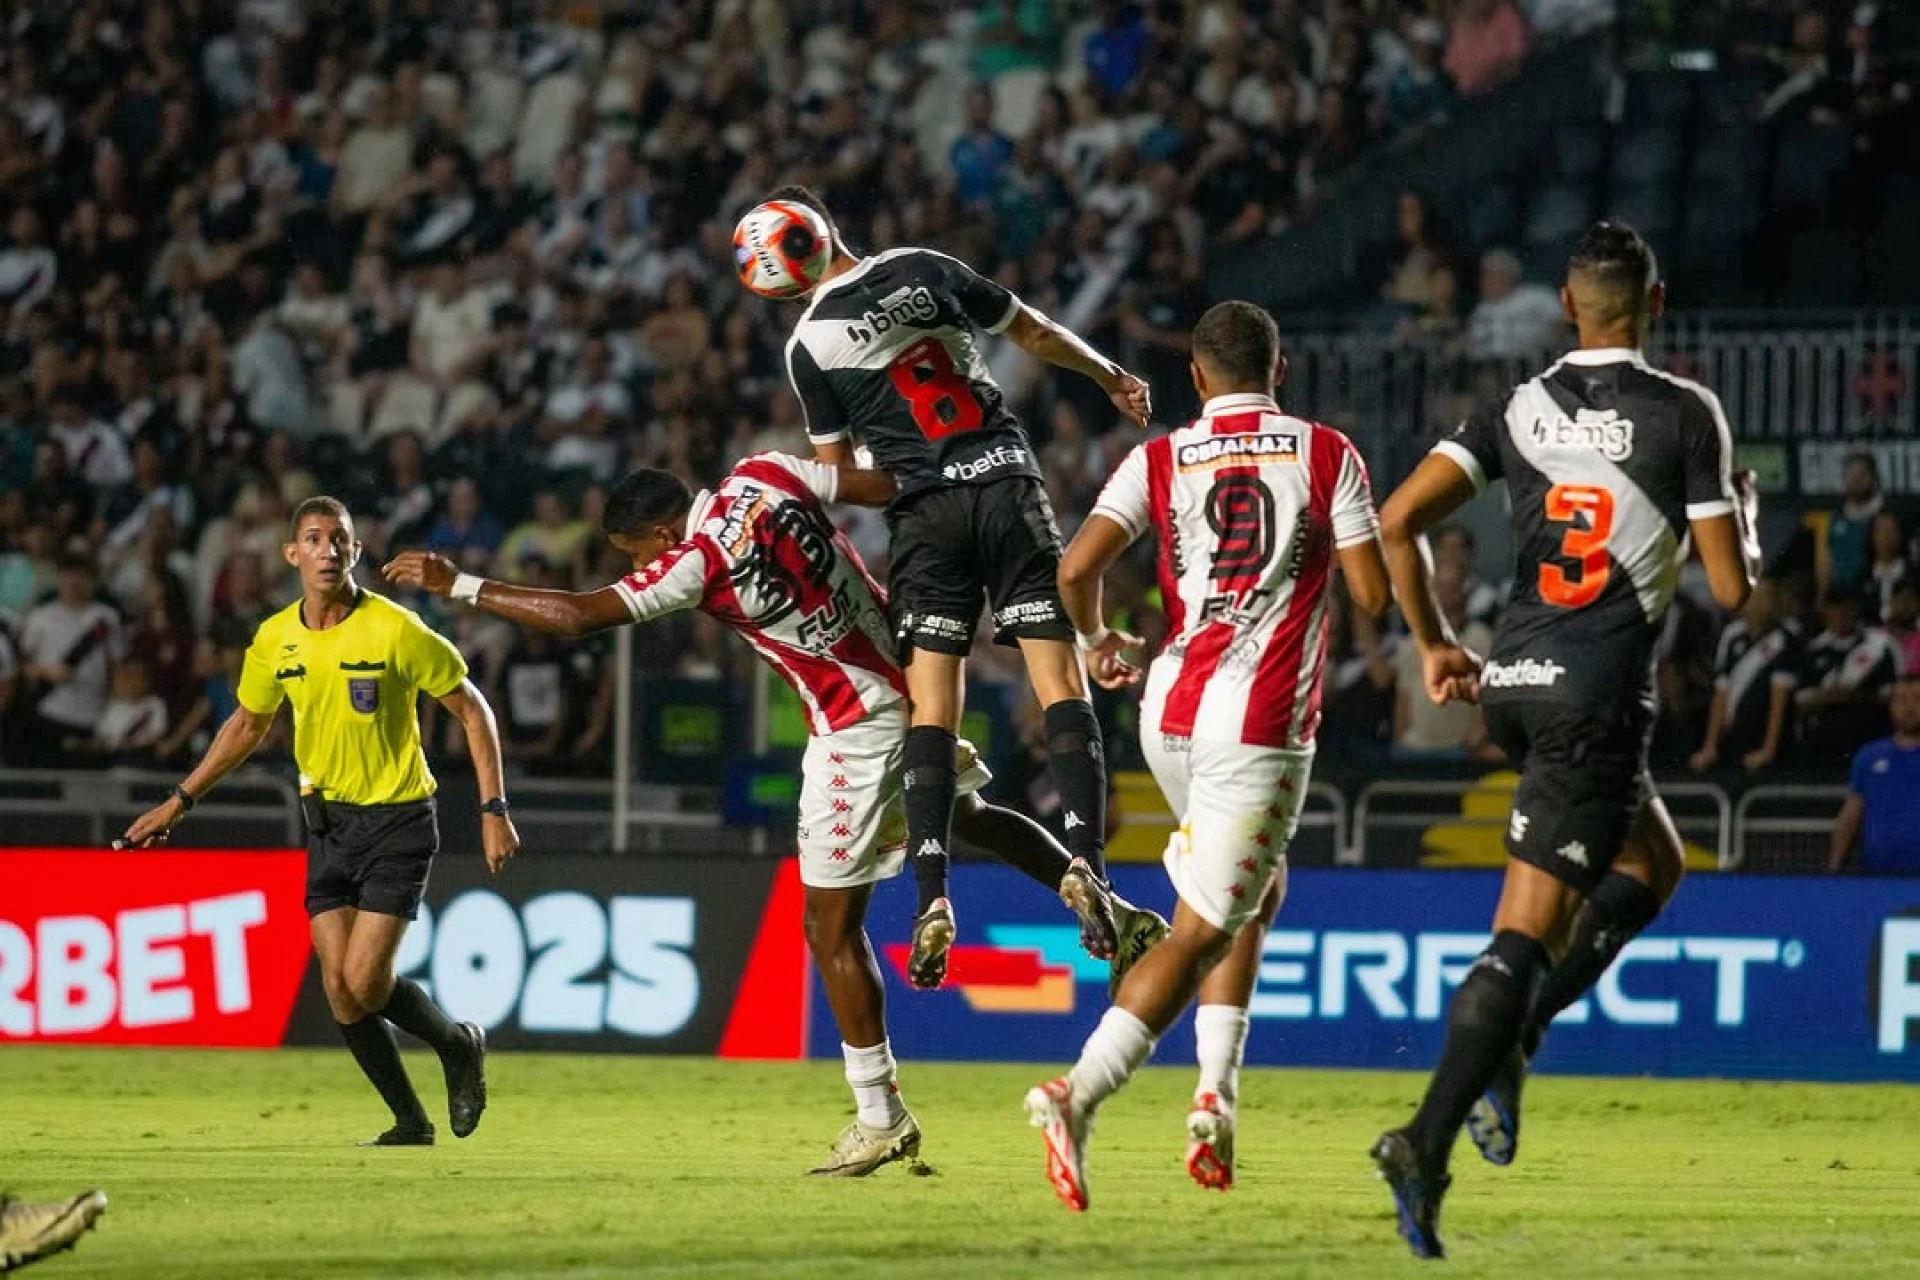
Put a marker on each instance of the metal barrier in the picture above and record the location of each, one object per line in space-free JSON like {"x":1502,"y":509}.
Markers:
{"x":53,"y":806}
{"x":566,"y":810}
{"x":1696,"y":808}
{"x":1796,"y":841}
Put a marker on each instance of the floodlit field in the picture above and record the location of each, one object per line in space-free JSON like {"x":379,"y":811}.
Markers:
{"x":242,"y":1165}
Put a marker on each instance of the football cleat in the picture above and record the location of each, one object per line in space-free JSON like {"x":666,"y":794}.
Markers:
{"x":1494,"y":1122}
{"x":1417,"y":1192}
{"x":933,"y":935}
{"x":1065,"y":1128}
{"x":403,"y":1135}
{"x":1139,"y":930}
{"x":466,"y":1071}
{"x":1210,"y":1142}
{"x":30,"y":1232}
{"x":1092,"y":901}
{"x":859,"y":1150}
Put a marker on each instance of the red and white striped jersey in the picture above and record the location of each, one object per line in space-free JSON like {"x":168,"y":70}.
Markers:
{"x":762,"y":557}
{"x":1250,"y":505}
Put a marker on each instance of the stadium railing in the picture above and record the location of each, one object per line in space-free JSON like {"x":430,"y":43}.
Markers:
{"x":254,"y":808}
{"x":1781,"y":828}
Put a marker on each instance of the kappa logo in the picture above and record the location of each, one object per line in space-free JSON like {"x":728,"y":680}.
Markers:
{"x":1575,"y":852}
{"x":1882,"y":765}
{"x":1517,"y":826}
{"x":931,"y":849}
{"x":1073,"y":820}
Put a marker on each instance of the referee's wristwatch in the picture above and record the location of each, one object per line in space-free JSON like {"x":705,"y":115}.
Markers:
{"x":496,"y":806}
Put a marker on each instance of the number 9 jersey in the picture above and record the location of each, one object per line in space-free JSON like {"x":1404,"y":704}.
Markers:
{"x":1250,"y":505}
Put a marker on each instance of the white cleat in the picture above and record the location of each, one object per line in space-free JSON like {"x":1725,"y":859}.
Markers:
{"x":1064,"y":1127}
{"x":29,"y":1232}
{"x":1139,"y":930}
{"x":859,"y":1150}
{"x":1210,"y":1142}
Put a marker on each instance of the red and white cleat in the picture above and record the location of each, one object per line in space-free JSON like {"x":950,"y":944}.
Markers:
{"x":1064,"y":1127}
{"x":1210,"y":1142}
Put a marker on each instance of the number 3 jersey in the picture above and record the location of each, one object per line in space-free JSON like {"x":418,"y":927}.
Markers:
{"x":762,"y":557}
{"x":1606,"y":460}
{"x":1250,"y":505}
{"x":889,"y":349}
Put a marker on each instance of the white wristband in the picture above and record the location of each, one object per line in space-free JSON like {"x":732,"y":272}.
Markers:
{"x":466,"y":588}
{"x":1090,"y":641}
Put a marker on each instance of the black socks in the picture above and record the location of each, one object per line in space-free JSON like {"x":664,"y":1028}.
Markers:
{"x":1078,"y":760}
{"x":1016,"y":840}
{"x":927,"y":779}
{"x":409,"y":1009}
{"x":1483,"y":1024}
{"x":371,"y":1041}
{"x":1618,"y":909}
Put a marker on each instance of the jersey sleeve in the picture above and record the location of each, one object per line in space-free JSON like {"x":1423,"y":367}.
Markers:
{"x":1124,"y":500}
{"x":1474,"y":445}
{"x":826,"y":424}
{"x":1857,"y":772}
{"x":1354,"y":519}
{"x":427,"y":660}
{"x":818,"y":478}
{"x":675,"y":582}
{"x":259,"y":689}
{"x":985,"y":304}
{"x":1709,"y":456}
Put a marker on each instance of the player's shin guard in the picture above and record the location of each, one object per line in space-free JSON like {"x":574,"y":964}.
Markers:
{"x":1111,"y":1055}
{"x":1077,"y":758}
{"x":870,"y":1074}
{"x":927,"y":776}
{"x":371,"y":1041}
{"x":1220,"y":1043}
{"x":413,"y":1012}
{"x":1483,"y":1024}
{"x":1618,"y":909}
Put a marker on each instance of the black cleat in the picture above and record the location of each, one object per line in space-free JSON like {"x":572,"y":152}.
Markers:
{"x":403,"y":1135}
{"x":1416,"y":1192}
{"x":1088,"y":898}
{"x":1494,"y":1122}
{"x":933,"y":935}
{"x":466,"y":1069}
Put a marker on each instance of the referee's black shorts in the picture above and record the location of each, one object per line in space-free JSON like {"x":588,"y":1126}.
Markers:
{"x":1583,"y":780}
{"x":961,"y":546}
{"x":375,"y":857}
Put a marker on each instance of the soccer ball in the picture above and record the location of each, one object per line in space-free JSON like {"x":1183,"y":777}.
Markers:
{"x":781,"y":249}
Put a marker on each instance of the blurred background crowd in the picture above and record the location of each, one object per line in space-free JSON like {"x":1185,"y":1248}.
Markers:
{"x":463,"y":263}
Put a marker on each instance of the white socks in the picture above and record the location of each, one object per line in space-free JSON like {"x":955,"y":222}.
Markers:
{"x":1112,"y":1054}
{"x":870,"y":1072}
{"x":1220,"y":1043}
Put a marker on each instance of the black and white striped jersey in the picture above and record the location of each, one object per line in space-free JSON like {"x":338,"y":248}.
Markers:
{"x":1746,"y":670}
{"x":1606,"y":460}
{"x":890,"y":350}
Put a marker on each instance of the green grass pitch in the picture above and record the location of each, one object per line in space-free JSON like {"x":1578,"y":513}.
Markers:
{"x":241,"y":1165}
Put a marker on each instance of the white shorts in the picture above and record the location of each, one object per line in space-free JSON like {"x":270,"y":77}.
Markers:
{"x":1238,"y":808}
{"x":853,"y":817}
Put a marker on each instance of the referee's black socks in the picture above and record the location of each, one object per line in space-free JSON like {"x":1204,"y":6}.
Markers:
{"x":371,"y":1041}
{"x":1078,"y":760}
{"x":409,"y":1009}
{"x":1483,"y":1023}
{"x":928,"y":785}
{"x":1614,"y":914}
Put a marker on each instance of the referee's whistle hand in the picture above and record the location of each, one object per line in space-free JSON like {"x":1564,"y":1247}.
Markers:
{"x":424,"y":569}
{"x":499,"y":839}
{"x":151,"y":827}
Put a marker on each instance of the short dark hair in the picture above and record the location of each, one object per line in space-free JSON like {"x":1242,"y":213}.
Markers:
{"x":804,"y":196}
{"x":1618,"y":258}
{"x":645,"y":497}
{"x":1866,"y":459}
{"x":318,"y":505}
{"x":1240,"y":341}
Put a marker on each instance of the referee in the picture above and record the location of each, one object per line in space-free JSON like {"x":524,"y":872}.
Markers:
{"x":351,"y":662}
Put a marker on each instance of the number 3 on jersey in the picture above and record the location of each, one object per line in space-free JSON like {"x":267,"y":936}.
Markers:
{"x":940,"y":399}
{"x":1587,"y":544}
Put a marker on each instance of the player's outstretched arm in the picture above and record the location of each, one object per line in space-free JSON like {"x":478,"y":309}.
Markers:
{"x":1438,"y":487}
{"x":1083,"y":570}
{"x":1044,"y":339}
{"x":562,"y":613}
{"x":469,"y":706}
{"x":237,"y":739}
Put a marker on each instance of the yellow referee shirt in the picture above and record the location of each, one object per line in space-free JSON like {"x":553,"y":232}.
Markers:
{"x":356,"y":737}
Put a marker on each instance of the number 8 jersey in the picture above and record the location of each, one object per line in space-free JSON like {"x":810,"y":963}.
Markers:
{"x":1250,"y":505}
{"x":890,"y":348}
{"x":1606,"y":461}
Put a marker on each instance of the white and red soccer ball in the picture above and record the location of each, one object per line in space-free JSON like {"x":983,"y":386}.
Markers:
{"x":781,"y":249}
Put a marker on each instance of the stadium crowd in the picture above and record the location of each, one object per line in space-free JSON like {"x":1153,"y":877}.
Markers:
{"x":464,"y":263}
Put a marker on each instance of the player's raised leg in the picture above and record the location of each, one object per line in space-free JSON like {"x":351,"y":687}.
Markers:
{"x":882,"y":1129}
{"x":1076,"y":754}
{"x":935,"y":693}
{"x":1220,"y":1045}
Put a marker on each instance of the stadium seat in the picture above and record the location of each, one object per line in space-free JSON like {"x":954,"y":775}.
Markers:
{"x":545,"y":127}
{"x":1645,"y":156}
{"x":1579,"y":150}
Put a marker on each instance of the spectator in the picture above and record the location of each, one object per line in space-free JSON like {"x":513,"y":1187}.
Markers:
{"x":1015,"y":35}
{"x":551,"y":538}
{"x":1888,"y":566}
{"x":68,"y":647}
{"x":467,"y":533}
{"x":1419,"y":89}
{"x":1850,"y":668}
{"x":1846,"y":552}
{"x":1756,"y":673}
{"x":1409,"y":290}
{"x":1880,"y":818}
{"x":1513,"y":320}
{"x":95,"y":452}
{"x":980,"y":154}
{"x":28,"y":267}
{"x":1486,"y":45}
{"x":132,"y":722}
{"x":1118,"y":50}
{"x":1903,"y":624}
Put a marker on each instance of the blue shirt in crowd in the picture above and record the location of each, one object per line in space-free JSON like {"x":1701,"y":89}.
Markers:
{"x":978,"y":159}
{"x":1886,"y":777}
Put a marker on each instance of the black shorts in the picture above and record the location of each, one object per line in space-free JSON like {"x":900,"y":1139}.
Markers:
{"x":957,"y":548}
{"x":1583,"y":781}
{"x":374,"y":857}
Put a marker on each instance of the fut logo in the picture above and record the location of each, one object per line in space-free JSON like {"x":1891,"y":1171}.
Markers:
{"x":1603,"y":431}
{"x":910,"y":306}
{"x":1268,"y":448}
